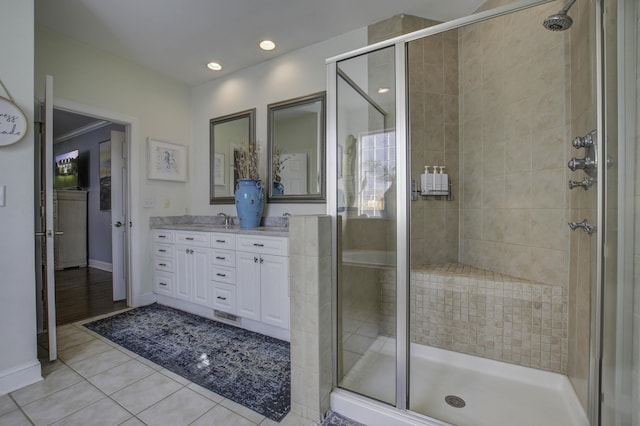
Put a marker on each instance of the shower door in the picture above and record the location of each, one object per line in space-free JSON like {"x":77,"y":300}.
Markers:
{"x":367,"y":184}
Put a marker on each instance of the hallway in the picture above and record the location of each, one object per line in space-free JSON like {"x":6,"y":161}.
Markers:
{"x":83,"y":293}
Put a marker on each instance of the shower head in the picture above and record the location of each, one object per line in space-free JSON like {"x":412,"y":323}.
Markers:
{"x":560,"y":21}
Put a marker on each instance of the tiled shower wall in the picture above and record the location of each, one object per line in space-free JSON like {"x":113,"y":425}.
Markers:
{"x":514,"y":131}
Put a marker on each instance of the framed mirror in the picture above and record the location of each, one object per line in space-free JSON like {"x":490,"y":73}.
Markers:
{"x":227,"y":135}
{"x":296,"y":155}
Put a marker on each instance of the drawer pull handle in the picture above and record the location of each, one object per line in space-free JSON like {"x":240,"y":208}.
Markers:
{"x":221,"y":275}
{"x":162,"y":250}
{"x":220,"y":257}
{"x":258,"y":245}
{"x":189,"y":238}
{"x":162,"y":264}
{"x":163,"y":284}
{"x":222,"y":298}
{"x":221,"y":241}
{"x":162,"y":236}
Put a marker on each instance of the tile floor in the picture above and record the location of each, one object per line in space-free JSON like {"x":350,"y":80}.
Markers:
{"x":96,"y":382}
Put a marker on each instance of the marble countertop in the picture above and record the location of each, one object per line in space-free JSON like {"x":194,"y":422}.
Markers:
{"x":272,"y":226}
{"x":275,"y":231}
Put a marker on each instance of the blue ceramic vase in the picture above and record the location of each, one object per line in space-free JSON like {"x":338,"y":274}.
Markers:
{"x":249,"y":202}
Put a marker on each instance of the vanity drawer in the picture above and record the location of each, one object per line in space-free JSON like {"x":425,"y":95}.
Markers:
{"x":223,"y":241}
{"x":163,"y":283}
{"x":163,"y":264}
{"x":164,"y":250}
{"x":278,"y":246}
{"x":199,"y":239}
{"x":224,"y":298}
{"x":222,"y":274}
{"x":223,"y":257}
{"x":163,"y":236}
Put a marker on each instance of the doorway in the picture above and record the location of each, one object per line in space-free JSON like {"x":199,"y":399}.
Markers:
{"x":93,"y":280}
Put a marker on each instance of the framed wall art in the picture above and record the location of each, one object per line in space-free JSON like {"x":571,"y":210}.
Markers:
{"x":166,"y":161}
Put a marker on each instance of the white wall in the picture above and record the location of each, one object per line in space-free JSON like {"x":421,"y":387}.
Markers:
{"x":18,"y":356}
{"x":289,"y":76}
{"x":160,"y":109}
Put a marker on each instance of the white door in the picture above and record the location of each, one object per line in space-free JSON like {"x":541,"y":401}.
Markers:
{"x":118,"y":215}
{"x":294,"y":173}
{"x":50,"y":232}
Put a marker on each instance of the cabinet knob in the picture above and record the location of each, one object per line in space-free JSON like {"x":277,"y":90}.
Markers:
{"x":255,"y":259}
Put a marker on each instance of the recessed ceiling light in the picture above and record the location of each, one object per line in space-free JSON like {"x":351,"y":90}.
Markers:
{"x":214,"y":66}
{"x":383,"y":90}
{"x":267,"y":45}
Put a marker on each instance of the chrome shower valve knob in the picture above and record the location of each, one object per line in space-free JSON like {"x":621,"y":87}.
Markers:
{"x":584,"y":225}
{"x":580,"y":163}
{"x":584,"y":183}
{"x":583,"y":142}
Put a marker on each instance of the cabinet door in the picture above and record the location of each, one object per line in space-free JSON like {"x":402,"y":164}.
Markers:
{"x":183,"y":273}
{"x":200,"y":275}
{"x":274,"y":279}
{"x":248,"y":285}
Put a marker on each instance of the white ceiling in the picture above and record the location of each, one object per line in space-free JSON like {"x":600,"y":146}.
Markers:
{"x":177,"y":38}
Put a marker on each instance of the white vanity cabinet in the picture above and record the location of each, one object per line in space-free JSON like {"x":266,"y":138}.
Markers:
{"x":163,"y":262}
{"x":262,"y":277}
{"x":223,"y":273}
{"x":232,"y":276}
{"x":192,"y":266}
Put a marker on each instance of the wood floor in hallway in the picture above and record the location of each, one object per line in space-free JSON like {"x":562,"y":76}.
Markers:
{"x":84,"y":293}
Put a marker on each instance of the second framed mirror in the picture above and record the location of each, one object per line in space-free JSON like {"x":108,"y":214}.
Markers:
{"x":296,"y":154}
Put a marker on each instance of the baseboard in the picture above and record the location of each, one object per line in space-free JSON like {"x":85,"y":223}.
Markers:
{"x":20,"y":376}
{"x":98,"y":264}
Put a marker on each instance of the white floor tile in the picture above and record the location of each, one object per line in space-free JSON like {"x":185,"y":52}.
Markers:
{"x":180,"y":408}
{"x":62,"y":403}
{"x":146,"y":392}
{"x":6,"y":404}
{"x":100,"y":362}
{"x":176,"y":377}
{"x":121,"y":376}
{"x":243,"y":411}
{"x":104,"y":412}
{"x":14,"y":418}
{"x":220,"y":415}
{"x":83,"y":351}
{"x":72,"y":338}
{"x":57,"y":380}
{"x":289,"y":420}
{"x":206,"y":393}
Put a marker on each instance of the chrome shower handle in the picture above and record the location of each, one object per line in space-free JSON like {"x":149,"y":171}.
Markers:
{"x":586,"y":227}
{"x":583,"y":142}
{"x":584,"y":183}
{"x":580,"y":163}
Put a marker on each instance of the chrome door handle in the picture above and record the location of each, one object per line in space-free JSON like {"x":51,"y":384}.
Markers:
{"x":118,"y":224}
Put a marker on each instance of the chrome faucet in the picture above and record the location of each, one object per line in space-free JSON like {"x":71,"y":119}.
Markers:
{"x":227,"y":219}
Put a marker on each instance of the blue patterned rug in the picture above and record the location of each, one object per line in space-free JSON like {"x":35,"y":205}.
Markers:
{"x":246,"y":367}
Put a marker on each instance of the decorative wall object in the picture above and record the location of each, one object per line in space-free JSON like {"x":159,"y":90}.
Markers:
{"x":105,"y":175}
{"x":13,"y":123}
{"x":219,"y":168}
{"x":166,"y":161}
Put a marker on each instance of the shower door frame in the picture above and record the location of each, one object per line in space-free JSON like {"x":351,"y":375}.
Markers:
{"x":403,"y":197}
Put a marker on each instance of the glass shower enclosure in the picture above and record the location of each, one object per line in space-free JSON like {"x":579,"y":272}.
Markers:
{"x":461,"y":291}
